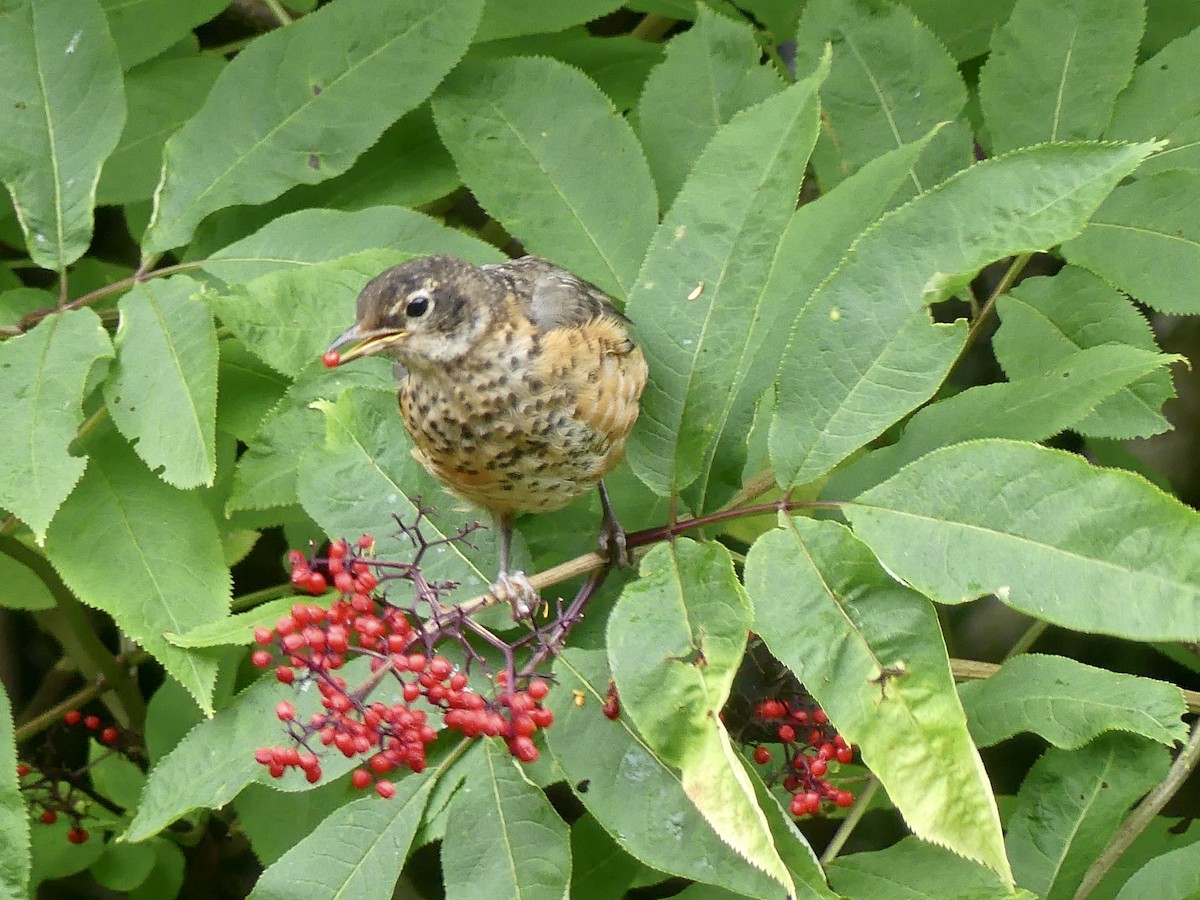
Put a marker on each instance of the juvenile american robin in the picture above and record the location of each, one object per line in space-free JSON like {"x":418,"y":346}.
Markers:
{"x":518,"y":383}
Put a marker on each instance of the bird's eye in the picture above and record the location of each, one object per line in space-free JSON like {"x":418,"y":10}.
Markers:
{"x":418,"y":305}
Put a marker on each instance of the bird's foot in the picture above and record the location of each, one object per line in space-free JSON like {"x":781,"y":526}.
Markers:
{"x":515,"y":589}
{"x":612,"y":543}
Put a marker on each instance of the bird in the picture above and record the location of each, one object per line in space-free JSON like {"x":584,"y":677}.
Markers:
{"x":519,"y":384}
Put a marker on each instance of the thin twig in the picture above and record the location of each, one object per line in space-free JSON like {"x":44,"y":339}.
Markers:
{"x":850,"y":822}
{"x":1144,"y":814}
{"x":88,"y":692}
{"x":31,"y":319}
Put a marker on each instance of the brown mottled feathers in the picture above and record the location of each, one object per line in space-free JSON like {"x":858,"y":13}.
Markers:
{"x":539,"y":407}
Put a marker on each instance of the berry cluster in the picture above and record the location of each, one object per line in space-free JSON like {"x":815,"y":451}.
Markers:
{"x":810,"y":745}
{"x":311,"y":643}
{"x":54,"y":789}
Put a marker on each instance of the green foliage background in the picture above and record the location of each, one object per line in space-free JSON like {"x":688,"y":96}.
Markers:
{"x":907,"y":266}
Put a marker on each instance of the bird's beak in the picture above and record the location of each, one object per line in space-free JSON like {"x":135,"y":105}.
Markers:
{"x":364,"y":343}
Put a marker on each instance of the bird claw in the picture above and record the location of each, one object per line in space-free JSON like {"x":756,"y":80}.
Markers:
{"x":516,"y":589}
{"x":612,"y":544}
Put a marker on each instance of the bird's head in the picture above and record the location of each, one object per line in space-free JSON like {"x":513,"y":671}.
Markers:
{"x":425,"y":312}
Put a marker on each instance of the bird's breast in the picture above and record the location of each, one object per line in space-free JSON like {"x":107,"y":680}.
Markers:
{"x":527,"y":421}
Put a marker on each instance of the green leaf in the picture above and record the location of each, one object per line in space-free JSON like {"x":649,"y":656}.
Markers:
{"x":1045,"y":320}
{"x":815,"y":242}
{"x":619,"y":64}
{"x":1055,"y":72}
{"x":23,"y":588}
{"x":147,"y":554}
{"x":56,"y":60}
{"x":1069,"y":703}
{"x":965,"y":29}
{"x":291,"y":108}
{"x":235,"y":629}
{"x":364,"y":475}
{"x":1172,"y":876}
{"x":720,"y":241}
{"x":265,"y":477}
{"x":123,"y":866}
{"x":1070,"y":804}
{"x":1045,"y":532}
{"x":675,"y":640}
{"x":166,"y":875}
{"x":114,"y":776}
{"x":42,"y":378}
{"x":143,"y":29}
{"x":266,"y":473}
{"x":914,"y":870}
{"x":224,"y":746}
{"x":162,"y":95}
{"x":863,"y":351}
{"x":1145,"y":239}
{"x":599,"y":867}
{"x":509,"y":18}
{"x":287,"y":318}
{"x":248,"y":388}
{"x":564,"y":175}
{"x":275,"y":822}
{"x":407,"y":166}
{"x":1162,"y":102}
{"x":711,"y":72}
{"x":503,"y":838}
{"x":633,"y":793}
{"x":14,"y":819}
{"x":891,"y":83}
{"x":314,"y":236}
{"x":1032,"y":409}
{"x":356,"y":852}
{"x":162,"y":391}
{"x":871,"y":653}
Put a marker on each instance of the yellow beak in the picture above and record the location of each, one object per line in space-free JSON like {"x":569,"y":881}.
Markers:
{"x":365,"y":343}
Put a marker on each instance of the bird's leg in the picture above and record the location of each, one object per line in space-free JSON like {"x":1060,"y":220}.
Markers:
{"x":512,"y":586}
{"x":612,"y":535}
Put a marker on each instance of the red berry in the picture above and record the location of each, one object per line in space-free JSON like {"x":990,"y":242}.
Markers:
{"x":360,"y":779}
{"x":762,"y":755}
{"x":109,"y":736}
{"x":338,"y":549}
{"x":315,"y":584}
{"x":819,"y":716}
{"x":523,"y":749}
{"x":74,"y":717}
{"x":366,"y":542}
{"x":285,"y":674}
{"x":285,"y":711}
{"x":49,"y":817}
{"x":77,"y":835}
{"x":458,"y":681}
{"x":818,"y":767}
{"x":385,"y":789}
{"x":262,"y":635}
{"x":260,"y":659}
{"x":843,"y":798}
{"x":844,"y":755}
{"x":91,"y":722}
{"x":417,"y":662}
{"x":332,"y":359}
{"x":787,"y":733}
{"x":440,"y":668}
{"x":23,"y":770}
{"x":538,"y":689}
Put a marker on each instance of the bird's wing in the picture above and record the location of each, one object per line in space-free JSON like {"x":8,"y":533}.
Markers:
{"x":556,"y":297}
